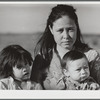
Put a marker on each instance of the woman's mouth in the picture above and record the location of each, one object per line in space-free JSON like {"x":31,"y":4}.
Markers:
{"x":66,"y":42}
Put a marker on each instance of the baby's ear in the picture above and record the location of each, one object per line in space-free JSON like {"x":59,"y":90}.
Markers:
{"x":65,"y":72}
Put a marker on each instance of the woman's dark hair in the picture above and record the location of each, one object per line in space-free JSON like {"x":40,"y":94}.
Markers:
{"x":71,"y":56}
{"x":47,"y":42}
{"x":38,"y":73}
{"x":11,"y":56}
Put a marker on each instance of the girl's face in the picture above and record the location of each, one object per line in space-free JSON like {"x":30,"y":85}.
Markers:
{"x":64,"y":31}
{"x":22,"y":73}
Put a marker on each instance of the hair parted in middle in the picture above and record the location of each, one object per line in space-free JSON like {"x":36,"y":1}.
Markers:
{"x":47,"y":42}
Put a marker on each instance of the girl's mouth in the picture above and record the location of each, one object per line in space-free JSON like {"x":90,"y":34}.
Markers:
{"x":26,"y":74}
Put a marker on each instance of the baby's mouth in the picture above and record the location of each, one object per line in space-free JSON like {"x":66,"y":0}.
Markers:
{"x":83,"y":78}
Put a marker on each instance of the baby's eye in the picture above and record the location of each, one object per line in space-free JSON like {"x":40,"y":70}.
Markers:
{"x":78,"y":69}
{"x":86,"y":67}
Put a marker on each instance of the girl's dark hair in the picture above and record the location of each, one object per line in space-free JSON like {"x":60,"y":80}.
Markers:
{"x":47,"y":42}
{"x":11,"y":56}
{"x":71,"y":56}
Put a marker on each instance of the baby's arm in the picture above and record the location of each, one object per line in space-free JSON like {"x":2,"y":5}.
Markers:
{"x":90,"y":84}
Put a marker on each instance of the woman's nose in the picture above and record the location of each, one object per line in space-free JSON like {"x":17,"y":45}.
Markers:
{"x":65,"y":34}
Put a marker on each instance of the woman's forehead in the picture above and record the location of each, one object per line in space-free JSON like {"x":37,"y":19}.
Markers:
{"x":65,"y":20}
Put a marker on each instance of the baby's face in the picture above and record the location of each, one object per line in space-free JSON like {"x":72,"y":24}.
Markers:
{"x":78,"y":70}
{"x":22,"y":73}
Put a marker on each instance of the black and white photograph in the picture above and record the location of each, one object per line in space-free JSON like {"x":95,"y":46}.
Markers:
{"x":50,"y":49}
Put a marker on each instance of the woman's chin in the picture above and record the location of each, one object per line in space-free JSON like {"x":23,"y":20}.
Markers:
{"x":67,"y":47}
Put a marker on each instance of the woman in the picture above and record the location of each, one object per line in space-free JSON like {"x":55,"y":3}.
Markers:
{"x":61,"y":35}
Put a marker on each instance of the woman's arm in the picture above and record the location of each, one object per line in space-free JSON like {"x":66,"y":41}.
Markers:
{"x":94,"y":61}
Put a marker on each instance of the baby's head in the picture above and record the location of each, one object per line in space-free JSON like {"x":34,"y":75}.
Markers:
{"x":76,"y":66}
{"x":15,"y":61}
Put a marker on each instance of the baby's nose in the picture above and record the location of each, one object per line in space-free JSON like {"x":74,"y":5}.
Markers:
{"x":83,"y":71}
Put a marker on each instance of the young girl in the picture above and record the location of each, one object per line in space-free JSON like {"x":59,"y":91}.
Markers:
{"x":76,"y":70}
{"x":15,"y":69}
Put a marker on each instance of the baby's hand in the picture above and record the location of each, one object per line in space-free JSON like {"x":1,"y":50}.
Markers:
{"x":83,"y":86}
{"x":94,"y":86}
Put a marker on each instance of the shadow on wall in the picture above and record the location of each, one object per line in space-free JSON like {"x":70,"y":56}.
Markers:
{"x":28,"y":41}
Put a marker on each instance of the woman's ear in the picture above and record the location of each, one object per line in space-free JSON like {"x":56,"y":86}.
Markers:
{"x":50,"y":29}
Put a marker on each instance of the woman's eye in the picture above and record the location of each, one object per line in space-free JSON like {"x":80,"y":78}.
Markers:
{"x":61,"y":30}
{"x":71,"y":30}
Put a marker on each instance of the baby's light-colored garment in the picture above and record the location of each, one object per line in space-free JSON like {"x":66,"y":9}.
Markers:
{"x":55,"y":70}
{"x":88,"y":84}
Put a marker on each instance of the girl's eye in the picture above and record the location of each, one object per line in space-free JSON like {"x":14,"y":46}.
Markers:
{"x":19,"y":67}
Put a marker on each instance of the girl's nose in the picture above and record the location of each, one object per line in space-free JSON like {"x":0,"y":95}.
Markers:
{"x":26,"y":69}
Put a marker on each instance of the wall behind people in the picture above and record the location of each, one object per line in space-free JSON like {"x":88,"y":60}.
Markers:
{"x":24,"y":23}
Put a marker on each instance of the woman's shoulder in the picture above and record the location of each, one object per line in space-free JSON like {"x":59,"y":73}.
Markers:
{"x":91,"y":54}
{"x":92,"y":51}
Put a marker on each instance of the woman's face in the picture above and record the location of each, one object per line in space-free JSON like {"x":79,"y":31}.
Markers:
{"x":64,"y":31}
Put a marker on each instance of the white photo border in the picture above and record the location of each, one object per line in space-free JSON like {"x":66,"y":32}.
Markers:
{"x":50,"y":94}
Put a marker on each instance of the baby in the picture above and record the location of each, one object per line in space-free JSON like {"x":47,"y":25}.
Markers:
{"x":76,"y":71}
{"x":15,"y":69}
